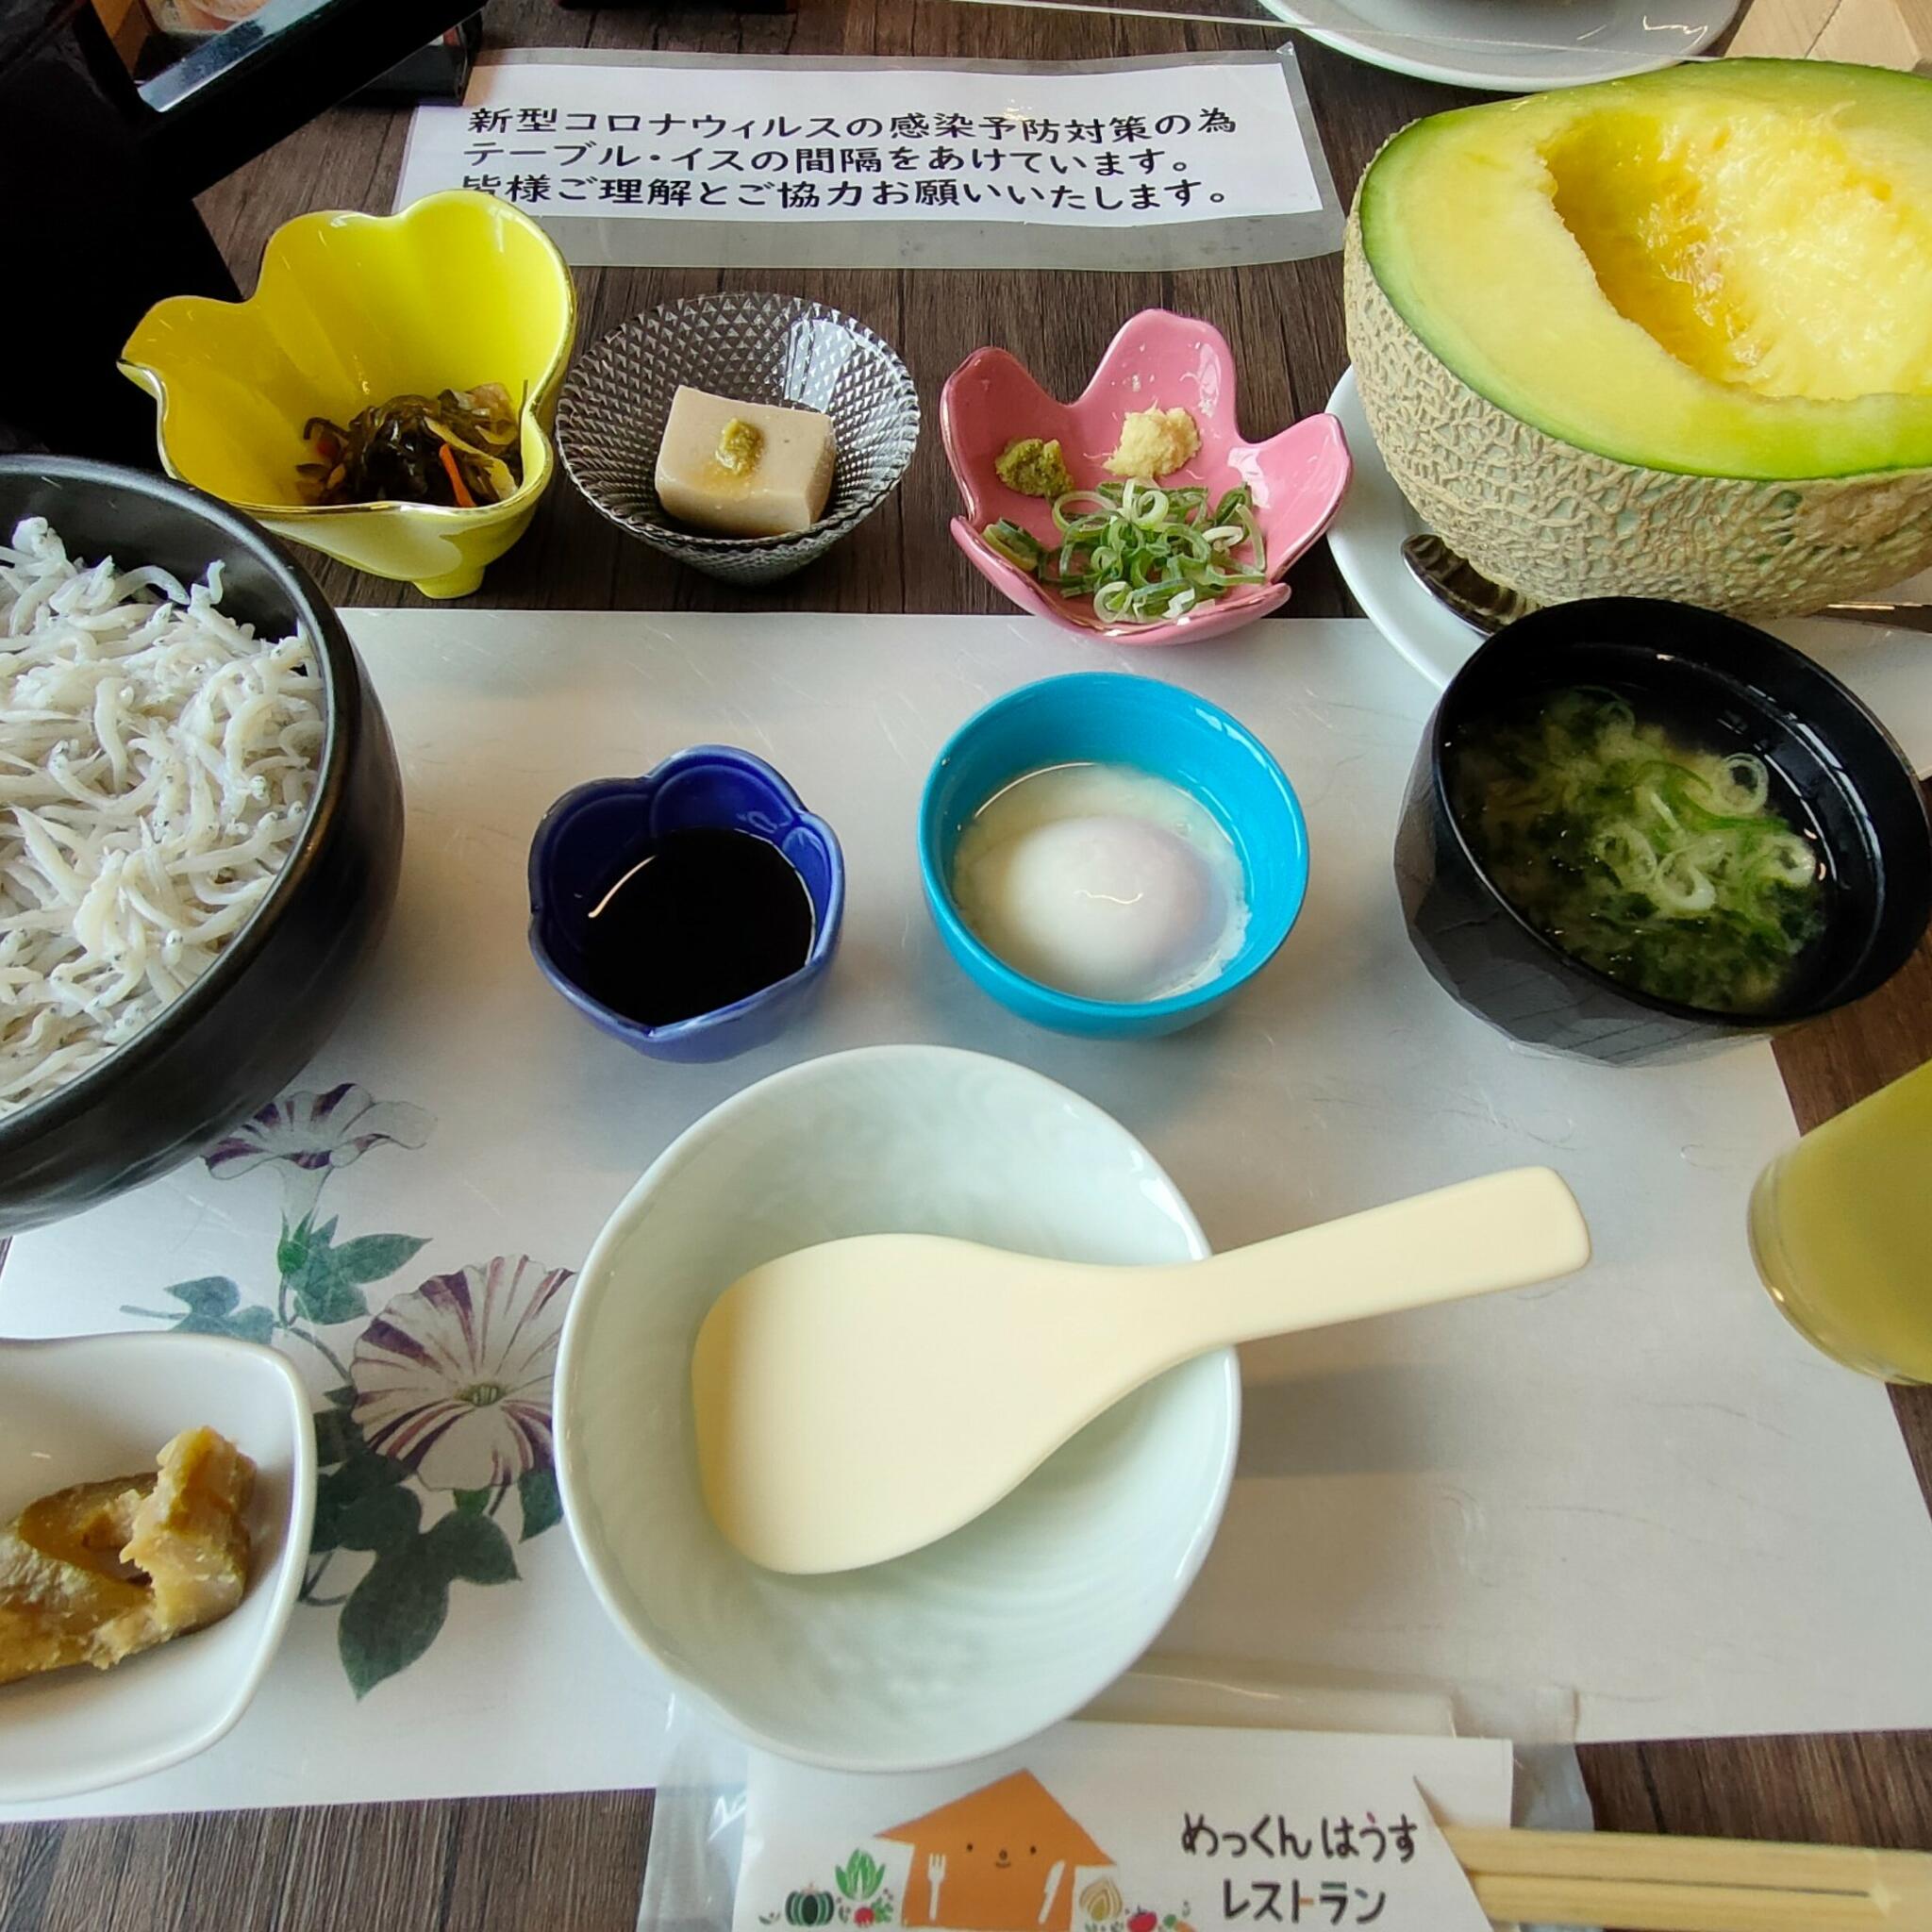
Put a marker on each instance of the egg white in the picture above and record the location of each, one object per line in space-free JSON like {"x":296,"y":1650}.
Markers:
{"x":1102,"y":881}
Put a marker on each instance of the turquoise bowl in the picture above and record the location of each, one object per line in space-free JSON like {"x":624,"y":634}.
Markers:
{"x":1099,"y":717}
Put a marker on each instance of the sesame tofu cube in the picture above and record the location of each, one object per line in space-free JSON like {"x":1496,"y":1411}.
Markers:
{"x":744,"y":469}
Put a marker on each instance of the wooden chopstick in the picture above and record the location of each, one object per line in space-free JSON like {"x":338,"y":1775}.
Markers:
{"x":1687,"y":1860}
{"x":1634,"y":1905}
{"x":1692,"y":1885}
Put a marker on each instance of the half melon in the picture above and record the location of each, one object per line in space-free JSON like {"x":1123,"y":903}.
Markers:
{"x":1664,"y":337}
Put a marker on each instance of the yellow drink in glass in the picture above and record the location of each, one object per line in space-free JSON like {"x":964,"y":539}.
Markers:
{"x":1842,"y":1232}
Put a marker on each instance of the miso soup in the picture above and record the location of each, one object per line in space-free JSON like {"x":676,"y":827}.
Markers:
{"x":1690,"y":872}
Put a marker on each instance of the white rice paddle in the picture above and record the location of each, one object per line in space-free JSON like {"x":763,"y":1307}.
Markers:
{"x":863,"y":1398}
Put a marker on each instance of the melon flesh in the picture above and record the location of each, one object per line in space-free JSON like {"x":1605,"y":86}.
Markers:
{"x":1611,"y":317}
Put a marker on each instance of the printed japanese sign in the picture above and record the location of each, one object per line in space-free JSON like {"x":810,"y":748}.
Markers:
{"x":1128,"y":1828}
{"x":826,"y":146}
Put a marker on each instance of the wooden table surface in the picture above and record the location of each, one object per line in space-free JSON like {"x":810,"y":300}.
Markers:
{"x":574,"y":1864}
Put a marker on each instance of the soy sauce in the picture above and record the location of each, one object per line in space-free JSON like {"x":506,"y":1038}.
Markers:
{"x":710,"y":916}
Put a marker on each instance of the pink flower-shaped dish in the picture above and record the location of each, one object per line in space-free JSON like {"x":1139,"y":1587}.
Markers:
{"x":1158,"y":359}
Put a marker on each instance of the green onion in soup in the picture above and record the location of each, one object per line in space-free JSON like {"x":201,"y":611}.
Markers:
{"x":1666,"y":866}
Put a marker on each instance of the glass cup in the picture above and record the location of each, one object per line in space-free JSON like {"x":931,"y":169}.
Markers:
{"x":1842,"y":1232}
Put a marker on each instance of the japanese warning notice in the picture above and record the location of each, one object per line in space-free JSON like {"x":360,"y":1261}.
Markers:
{"x":1128,"y":1828}
{"x":701,"y":143}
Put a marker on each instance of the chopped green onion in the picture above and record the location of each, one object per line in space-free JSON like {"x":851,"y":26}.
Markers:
{"x":1142,"y":554}
{"x":1015,"y":544}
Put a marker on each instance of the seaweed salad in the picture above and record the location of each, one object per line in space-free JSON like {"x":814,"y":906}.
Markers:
{"x":459,"y":449}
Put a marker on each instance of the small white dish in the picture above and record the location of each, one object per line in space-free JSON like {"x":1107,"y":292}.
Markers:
{"x":100,"y":1405}
{"x":1890,"y":668}
{"x":1523,"y":46}
{"x":992,"y":1633}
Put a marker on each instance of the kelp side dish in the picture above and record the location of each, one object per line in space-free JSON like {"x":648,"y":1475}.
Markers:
{"x":461,"y":449}
{"x":1691,"y":874}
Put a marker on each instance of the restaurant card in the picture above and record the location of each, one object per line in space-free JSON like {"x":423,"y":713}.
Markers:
{"x":1097,"y":1827}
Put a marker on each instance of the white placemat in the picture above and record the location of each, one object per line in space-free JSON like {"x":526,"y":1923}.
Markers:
{"x":1636,"y":1505}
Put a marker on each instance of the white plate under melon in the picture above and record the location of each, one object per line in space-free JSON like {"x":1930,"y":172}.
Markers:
{"x":1669,"y":335}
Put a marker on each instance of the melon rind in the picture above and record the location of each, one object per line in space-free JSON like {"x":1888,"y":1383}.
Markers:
{"x":1557,"y":523}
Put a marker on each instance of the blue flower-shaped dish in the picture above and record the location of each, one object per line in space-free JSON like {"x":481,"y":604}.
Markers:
{"x":1104,"y":717}
{"x":599,"y":830}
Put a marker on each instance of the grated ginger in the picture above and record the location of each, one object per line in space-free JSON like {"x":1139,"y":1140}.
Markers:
{"x":1153,"y":443}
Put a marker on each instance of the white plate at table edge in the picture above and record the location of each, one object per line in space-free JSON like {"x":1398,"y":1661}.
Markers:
{"x":1499,"y":68}
{"x":158,"y":1710}
{"x":1889,"y":669}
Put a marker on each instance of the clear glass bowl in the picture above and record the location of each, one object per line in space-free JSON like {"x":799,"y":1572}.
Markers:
{"x":754,"y":348}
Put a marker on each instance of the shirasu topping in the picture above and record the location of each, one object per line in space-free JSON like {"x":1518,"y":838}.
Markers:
{"x":157,"y":763}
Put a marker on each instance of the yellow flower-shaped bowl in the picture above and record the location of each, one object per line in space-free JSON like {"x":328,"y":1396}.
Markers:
{"x":458,"y":289}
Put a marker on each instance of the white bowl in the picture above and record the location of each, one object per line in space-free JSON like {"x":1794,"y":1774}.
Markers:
{"x":100,"y":1405}
{"x":1002,"y":1628}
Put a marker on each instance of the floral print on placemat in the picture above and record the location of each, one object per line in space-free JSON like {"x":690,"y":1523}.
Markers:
{"x":439,"y":1409}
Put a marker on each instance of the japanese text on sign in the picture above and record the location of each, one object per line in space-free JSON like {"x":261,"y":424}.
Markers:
{"x":1283,"y":1899}
{"x":1128,"y":146}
